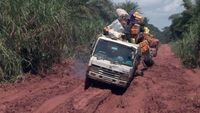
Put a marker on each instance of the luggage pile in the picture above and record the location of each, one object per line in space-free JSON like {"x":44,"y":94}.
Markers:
{"x":131,"y":28}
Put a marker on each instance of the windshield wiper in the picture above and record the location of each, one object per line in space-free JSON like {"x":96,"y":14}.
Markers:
{"x":100,"y":57}
{"x":115,"y":62}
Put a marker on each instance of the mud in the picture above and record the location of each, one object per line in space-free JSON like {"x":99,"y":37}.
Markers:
{"x":167,"y":87}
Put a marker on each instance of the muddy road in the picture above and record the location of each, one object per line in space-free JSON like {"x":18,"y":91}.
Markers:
{"x":166,"y":87}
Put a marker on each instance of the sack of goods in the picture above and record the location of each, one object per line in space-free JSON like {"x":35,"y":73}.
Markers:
{"x":138,"y":17}
{"x":153,"y":42}
{"x":121,"y":12}
{"x":144,"y":46}
{"x":146,"y":30}
{"x":115,"y":29}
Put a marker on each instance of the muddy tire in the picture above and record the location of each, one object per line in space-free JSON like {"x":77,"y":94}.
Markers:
{"x":88,"y":83}
{"x":139,"y":73}
{"x":148,"y":62}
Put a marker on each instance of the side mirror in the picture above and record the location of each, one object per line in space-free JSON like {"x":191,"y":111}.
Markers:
{"x":91,"y":44}
{"x":133,"y":55}
{"x":91,"y":47}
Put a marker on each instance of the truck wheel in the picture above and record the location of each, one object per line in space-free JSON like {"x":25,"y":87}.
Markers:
{"x":139,"y":73}
{"x":88,"y":83}
{"x":148,"y":62}
{"x":155,"y":54}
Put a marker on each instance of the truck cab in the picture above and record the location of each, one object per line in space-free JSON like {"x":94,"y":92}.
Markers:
{"x":113,"y":62}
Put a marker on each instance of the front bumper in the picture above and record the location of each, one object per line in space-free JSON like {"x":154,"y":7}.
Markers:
{"x":107,"y":79}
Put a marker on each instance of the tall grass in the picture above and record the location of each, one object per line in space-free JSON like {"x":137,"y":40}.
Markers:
{"x":188,"y":48}
{"x":32,"y":30}
{"x":34,"y":34}
{"x":10,"y":64}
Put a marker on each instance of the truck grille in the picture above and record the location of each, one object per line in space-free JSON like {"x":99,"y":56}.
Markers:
{"x":106,"y":72}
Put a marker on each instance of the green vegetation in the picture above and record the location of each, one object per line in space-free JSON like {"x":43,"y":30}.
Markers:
{"x":34,"y":34}
{"x":188,"y":48}
{"x":186,"y":35}
{"x":155,"y":31}
{"x":128,"y":6}
{"x":158,"y":34}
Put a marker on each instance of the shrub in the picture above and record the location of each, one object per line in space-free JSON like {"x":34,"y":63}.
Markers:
{"x":10,"y":66}
{"x":188,"y":47}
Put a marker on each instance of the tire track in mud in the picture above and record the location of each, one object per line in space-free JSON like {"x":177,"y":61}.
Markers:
{"x":80,"y":100}
{"x":18,"y":92}
{"x":173,"y":84}
{"x":130,"y":102}
{"x":31,"y":101}
{"x":57,"y":100}
{"x":49,"y":99}
{"x":83,"y":102}
{"x":11,"y":95}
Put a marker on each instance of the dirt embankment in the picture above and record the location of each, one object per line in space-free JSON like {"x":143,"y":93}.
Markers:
{"x":165,"y":88}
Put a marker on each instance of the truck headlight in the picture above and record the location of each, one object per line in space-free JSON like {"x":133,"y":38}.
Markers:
{"x":93,"y":69}
{"x":124,"y":77}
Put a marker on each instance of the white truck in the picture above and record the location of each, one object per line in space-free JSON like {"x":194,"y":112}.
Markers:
{"x":113,"y":62}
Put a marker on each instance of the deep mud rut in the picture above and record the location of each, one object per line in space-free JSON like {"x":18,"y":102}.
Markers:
{"x":165,"y":88}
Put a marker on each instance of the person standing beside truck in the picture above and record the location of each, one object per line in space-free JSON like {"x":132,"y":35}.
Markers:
{"x":153,"y":41}
{"x":135,"y":32}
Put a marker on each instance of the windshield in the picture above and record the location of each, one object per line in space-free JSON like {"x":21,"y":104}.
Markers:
{"x":114,"y":52}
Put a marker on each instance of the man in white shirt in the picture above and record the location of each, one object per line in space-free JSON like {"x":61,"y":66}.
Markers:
{"x":116,"y":28}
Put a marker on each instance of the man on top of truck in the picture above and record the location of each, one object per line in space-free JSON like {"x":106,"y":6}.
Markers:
{"x":116,"y":28}
{"x":152,"y":40}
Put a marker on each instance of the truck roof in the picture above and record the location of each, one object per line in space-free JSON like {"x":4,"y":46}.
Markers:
{"x":119,"y":41}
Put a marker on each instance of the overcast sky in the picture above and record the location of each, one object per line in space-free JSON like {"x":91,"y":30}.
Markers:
{"x":158,"y":11}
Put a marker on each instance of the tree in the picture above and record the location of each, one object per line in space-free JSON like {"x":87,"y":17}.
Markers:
{"x":181,"y":21}
{"x":128,"y":6}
